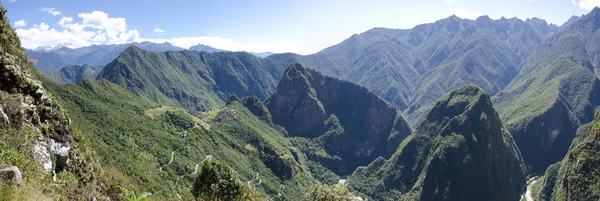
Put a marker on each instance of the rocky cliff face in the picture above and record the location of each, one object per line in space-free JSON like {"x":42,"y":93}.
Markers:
{"x":26,"y":104}
{"x":347,"y":120}
{"x":577,"y":176}
{"x":35,"y":132}
{"x":459,"y":152}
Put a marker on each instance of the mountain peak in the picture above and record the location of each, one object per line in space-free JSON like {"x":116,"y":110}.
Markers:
{"x":458,"y":101}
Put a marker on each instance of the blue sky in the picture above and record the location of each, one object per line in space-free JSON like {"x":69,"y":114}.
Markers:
{"x":302,"y":26}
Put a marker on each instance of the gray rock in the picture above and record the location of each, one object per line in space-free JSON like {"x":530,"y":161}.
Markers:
{"x":10,"y":172}
{"x":4,"y":117}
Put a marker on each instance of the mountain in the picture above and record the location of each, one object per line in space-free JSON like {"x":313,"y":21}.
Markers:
{"x":576,"y":176}
{"x":190,"y":79}
{"x":411,"y":68}
{"x":158,"y":148}
{"x":205,"y":48}
{"x":43,"y":156}
{"x":72,"y":73}
{"x":262,"y":54}
{"x":554,"y":93}
{"x":96,"y":55}
{"x":460,"y":151}
{"x":350,"y":125}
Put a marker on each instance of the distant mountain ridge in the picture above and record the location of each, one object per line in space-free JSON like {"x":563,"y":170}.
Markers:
{"x":100,"y":55}
{"x":71,"y":74}
{"x":411,"y":68}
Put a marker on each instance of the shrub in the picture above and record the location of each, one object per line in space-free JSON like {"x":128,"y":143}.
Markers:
{"x":216,"y":181}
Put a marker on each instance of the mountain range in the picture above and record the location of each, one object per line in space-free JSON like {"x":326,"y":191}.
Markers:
{"x":100,"y":55}
{"x":457,"y":109}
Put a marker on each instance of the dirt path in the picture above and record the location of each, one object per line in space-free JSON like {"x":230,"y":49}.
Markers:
{"x":170,"y":161}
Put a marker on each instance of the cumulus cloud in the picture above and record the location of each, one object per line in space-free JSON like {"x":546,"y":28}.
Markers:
{"x":92,"y":28}
{"x":588,"y":4}
{"x":20,"y":23}
{"x":157,"y":30}
{"x":465,"y":14}
{"x":99,"y":28}
{"x":51,"y":11}
{"x":449,"y":1}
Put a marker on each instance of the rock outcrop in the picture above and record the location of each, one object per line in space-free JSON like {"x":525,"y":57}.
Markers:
{"x":349,"y":122}
{"x":461,"y":151}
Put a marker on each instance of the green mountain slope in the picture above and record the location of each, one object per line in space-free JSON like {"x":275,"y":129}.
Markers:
{"x":460,"y":151}
{"x":555,"y":92}
{"x":411,"y":68}
{"x":189,"y":79}
{"x":338,"y":124}
{"x":159,"y":147}
{"x":71,"y":74}
{"x":46,"y":158}
{"x":577,"y":176}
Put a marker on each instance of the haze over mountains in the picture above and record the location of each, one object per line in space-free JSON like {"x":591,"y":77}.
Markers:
{"x":100,"y":55}
{"x":457,"y":109}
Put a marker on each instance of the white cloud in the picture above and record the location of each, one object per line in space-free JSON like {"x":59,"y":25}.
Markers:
{"x":20,"y":23}
{"x":51,"y":11}
{"x":98,"y":28}
{"x":65,"y":20}
{"x":588,"y":4}
{"x":465,"y":14}
{"x":94,"y":28}
{"x":159,"y":31}
{"x":573,"y":1}
{"x":449,"y":1}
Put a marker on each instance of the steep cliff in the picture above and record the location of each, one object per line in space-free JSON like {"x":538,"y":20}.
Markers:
{"x":460,"y":151}
{"x":36,"y":135}
{"x":349,"y":123}
{"x":577,"y":176}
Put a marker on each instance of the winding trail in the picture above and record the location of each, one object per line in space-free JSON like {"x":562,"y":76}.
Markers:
{"x":208,"y":157}
{"x":170,"y":161}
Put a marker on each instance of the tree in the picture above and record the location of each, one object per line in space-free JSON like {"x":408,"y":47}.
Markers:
{"x":216,"y":181}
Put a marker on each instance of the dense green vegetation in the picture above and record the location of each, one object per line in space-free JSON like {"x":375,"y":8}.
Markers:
{"x":411,"y":68}
{"x":577,"y":176}
{"x":460,"y":151}
{"x":71,"y":74}
{"x":160,"y":154}
{"x":555,"y":92}
{"x":337,"y":123}
{"x":189,"y":79}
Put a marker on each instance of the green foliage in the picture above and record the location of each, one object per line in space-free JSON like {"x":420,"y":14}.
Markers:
{"x":553,"y":94}
{"x":216,"y":181}
{"x":71,"y":74}
{"x":459,"y":152}
{"x":131,"y":195}
{"x":330,"y":193}
{"x":193,"y":80}
{"x":141,"y":146}
{"x":337,"y":119}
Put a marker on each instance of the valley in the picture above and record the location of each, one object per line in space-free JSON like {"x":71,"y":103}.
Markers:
{"x":457,"y":109}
